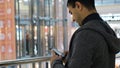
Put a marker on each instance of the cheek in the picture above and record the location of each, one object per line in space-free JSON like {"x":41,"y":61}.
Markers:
{"x":75,"y":17}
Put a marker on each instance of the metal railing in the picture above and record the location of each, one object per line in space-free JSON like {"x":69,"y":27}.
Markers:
{"x":25,"y":61}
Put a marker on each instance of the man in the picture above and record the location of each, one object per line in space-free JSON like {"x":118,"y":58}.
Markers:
{"x":94,"y":44}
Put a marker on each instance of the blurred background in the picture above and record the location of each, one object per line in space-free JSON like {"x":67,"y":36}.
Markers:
{"x":30,"y":28}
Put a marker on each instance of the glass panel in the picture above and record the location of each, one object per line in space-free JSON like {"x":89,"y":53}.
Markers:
{"x":37,"y":25}
{"x":24,"y":28}
{"x":44,"y":26}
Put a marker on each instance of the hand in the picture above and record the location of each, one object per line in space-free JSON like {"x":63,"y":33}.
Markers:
{"x":55,"y":57}
{"x":64,"y":58}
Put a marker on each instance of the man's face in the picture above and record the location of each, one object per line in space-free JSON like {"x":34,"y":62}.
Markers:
{"x":75,"y":13}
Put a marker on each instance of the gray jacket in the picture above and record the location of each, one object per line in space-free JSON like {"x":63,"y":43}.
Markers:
{"x":94,"y":45}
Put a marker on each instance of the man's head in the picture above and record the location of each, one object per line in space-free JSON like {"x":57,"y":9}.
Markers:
{"x":81,"y":8}
{"x":87,"y":3}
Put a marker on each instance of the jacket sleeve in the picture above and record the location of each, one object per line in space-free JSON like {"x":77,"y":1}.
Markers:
{"x":84,"y":45}
{"x":57,"y":64}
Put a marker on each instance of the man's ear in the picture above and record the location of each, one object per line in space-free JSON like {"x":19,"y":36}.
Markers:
{"x":78,"y":5}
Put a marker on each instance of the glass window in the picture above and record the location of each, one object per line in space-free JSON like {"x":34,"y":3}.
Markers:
{"x":24,"y":33}
{"x":39,"y":26}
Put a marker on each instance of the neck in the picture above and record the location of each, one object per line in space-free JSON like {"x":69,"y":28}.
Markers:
{"x":84,"y":14}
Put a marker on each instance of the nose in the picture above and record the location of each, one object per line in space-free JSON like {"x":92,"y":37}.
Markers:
{"x":73,"y":19}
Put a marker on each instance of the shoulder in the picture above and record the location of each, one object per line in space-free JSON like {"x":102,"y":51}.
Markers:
{"x":90,"y":32}
{"x":88,"y":39}
{"x":87,"y":36}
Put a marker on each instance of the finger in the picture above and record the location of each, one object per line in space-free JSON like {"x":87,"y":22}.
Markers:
{"x":59,"y":57}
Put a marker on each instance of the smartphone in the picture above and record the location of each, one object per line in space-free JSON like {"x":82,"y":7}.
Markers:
{"x":58,"y":52}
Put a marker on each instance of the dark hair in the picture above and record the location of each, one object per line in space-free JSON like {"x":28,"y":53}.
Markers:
{"x":90,"y":4}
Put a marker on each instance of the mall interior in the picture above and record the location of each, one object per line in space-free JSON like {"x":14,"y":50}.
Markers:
{"x":29,"y":29}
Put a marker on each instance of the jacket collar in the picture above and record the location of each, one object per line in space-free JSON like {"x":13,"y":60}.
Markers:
{"x":94,"y":16}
